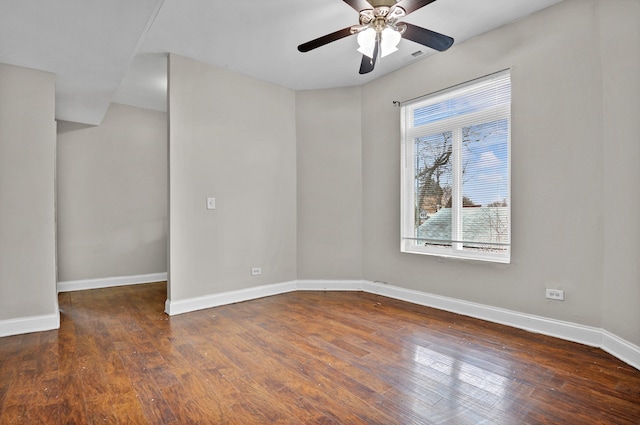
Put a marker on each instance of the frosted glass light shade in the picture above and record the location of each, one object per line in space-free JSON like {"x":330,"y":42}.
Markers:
{"x":367,"y":42}
{"x":390,"y":40}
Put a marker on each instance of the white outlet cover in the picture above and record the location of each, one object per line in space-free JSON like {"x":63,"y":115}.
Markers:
{"x":554,"y":294}
{"x":211,"y":203}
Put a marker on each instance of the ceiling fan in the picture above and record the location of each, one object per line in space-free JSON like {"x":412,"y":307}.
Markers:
{"x":379,"y":31}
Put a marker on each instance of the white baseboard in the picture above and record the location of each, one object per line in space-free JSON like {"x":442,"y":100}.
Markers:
{"x":329,"y":285}
{"x":557,"y":328}
{"x":618,"y":347}
{"x":200,"y":303}
{"x":25,"y":325}
{"x":587,"y":335}
{"x":107,"y":282}
{"x":207,"y":301}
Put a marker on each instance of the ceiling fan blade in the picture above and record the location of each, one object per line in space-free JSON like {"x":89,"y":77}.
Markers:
{"x":325,"y":39}
{"x":427,"y":37}
{"x":367,"y":64}
{"x":358,"y":5}
{"x":413,"y":5}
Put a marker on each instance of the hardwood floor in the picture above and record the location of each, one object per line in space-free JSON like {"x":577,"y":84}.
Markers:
{"x":301,"y":358}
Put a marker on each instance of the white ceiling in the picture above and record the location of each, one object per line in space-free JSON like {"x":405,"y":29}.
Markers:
{"x":115,"y":50}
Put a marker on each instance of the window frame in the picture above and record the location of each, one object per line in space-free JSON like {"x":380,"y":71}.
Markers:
{"x":455,"y":125}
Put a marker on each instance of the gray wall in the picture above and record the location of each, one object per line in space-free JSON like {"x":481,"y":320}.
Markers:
{"x":233,"y":138}
{"x":619,"y":30}
{"x":307,"y":184}
{"x":573,"y":159}
{"x":27,"y":220}
{"x":112,"y":195}
{"x":566,"y":180}
{"x":329,"y":176}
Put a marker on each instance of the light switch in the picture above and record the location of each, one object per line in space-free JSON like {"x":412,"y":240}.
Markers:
{"x":211,"y":203}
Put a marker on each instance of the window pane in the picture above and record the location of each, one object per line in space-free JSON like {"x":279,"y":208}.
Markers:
{"x":485,"y":185}
{"x":433,"y":184}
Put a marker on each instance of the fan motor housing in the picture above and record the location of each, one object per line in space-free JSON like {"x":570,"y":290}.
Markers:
{"x":381,"y":3}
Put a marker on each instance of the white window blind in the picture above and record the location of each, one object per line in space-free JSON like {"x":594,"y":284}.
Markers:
{"x":456,"y":171}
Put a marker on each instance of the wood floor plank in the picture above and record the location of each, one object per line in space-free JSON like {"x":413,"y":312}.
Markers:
{"x":71,"y":399}
{"x":301,"y":358}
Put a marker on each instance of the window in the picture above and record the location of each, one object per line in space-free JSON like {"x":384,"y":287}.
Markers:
{"x":456,"y":171}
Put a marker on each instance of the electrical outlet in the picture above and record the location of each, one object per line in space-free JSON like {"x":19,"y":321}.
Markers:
{"x":555,"y":294}
{"x":255,"y":271}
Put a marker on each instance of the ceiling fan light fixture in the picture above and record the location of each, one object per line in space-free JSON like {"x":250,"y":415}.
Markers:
{"x":379,"y":31}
